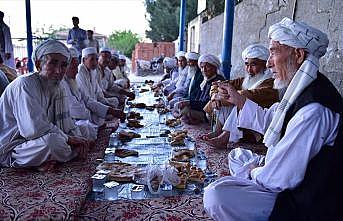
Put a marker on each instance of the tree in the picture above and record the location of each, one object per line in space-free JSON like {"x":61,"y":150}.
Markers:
{"x":163,"y":17}
{"x":123,"y":41}
{"x":43,"y":33}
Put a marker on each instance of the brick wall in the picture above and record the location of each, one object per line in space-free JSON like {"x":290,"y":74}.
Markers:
{"x":147,"y":51}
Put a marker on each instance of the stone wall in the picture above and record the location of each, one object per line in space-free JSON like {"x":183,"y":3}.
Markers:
{"x":253,"y":18}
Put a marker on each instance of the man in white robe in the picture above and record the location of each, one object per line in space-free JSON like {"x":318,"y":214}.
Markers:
{"x":181,"y":80}
{"x":35,"y":126}
{"x":87,"y":78}
{"x":106,"y":79}
{"x":169,"y":84}
{"x":88,"y":113}
{"x":6,"y":47}
{"x":303,"y":162}
{"x":183,"y":89}
{"x":257,"y":85}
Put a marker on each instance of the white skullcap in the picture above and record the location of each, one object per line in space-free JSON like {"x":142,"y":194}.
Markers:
{"x":299,"y":35}
{"x":211,"y":59}
{"x":169,"y":62}
{"x":122,"y":57}
{"x":88,"y":51}
{"x":255,"y":51}
{"x":74,"y":52}
{"x":192,"y":56}
{"x":104,"y":49}
{"x":180,"y":54}
{"x":50,"y":46}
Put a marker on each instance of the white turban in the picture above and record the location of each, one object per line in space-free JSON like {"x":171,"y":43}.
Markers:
{"x":169,"y":62}
{"x":50,"y":46}
{"x":192,"y":56}
{"x":299,"y":35}
{"x":315,"y":42}
{"x":88,"y":51}
{"x":180,"y":54}
{"x":104,"y":49}
{"x":74,"y":52}
{"x":255,"y":51}
{"x":122,"y":57}
{"x":209,"y":58}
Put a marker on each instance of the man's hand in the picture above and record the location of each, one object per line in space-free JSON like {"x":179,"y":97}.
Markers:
{"x":170,"y":96}
{"x":79,"y":144}
{"x":130,"y":95}
{"x":233,"y":96}
{"x":116,"y":113}
{"x":8,"y":56}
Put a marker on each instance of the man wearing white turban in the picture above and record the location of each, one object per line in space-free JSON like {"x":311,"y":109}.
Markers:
{"x":183,"y":89}
{"x":88,"y":113}
{"x":257,"y":85}
{"x":169,"y":65}
{"x":300,"y":176}
{"x":87,"y":78}
{"x":35,"y":126}
{"x":169,"y":86}
{"x":192,"y":111}
{"x":183,"y":72}
{"x":106,"y":79}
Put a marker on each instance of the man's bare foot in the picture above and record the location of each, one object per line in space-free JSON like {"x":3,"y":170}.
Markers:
{"x":208,"y":136}
{"x":47,"y":166}
{"x":220,"y":141}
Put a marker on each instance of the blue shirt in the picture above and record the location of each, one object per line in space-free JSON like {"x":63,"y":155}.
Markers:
{"x":77,"y":37}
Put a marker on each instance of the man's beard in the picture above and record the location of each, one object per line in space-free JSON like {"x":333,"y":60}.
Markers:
{"x":72,"y":84}
{"x":250,"y":81}
{"x":292,"y":70}
{"x":191,"y":71}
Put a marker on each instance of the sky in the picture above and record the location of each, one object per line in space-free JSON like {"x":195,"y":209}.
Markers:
{"x":103,"y":16}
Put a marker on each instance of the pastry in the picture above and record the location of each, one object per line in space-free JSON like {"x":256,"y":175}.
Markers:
{"x":182,"y":155}
{"x":134,"y":115}
{"x":137,"y":105}
{"x":134,"y":123}
{"x":196,"y":175}
{"x":173,"y":122}
{"x":127,"y":136}
{"x":125,"y":153}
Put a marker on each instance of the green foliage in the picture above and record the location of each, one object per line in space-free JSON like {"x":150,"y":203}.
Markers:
{"x":215,"y":7}
{"x":163,"y":17}
{"x":123,"y":41}
{"x":44,"y":32}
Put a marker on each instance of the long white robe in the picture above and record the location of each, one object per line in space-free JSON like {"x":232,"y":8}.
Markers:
{"x":88,"y":83}
{"x":8,"y":46}
{"x":285,"y":164}
{"x":27,"y":137}
{"x":87,"y":113}
{"x":108,"y":85}
{"x":169,"y":84}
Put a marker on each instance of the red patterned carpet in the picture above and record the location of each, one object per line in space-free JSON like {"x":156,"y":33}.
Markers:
{"x":178,"y":208}
{"x":61,"y":194}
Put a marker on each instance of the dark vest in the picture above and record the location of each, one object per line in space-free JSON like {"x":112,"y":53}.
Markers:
{"x":319,"y":196}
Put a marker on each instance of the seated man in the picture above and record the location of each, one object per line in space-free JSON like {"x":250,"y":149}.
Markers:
{"x":183,"y":91}
{"x":179,"y":90}
{"x":192,"y":112}
{"x":300,"y":176}
{"x":106,"y":80}
{"x":257,"y":86}
{"x":194,"y":87}
{"x":87,"y":78}
{"x":88,"y":113}
{"x":121,"y":72}
{"x":35,"y":127}
{"x":169,"y":84}
{"x":169,"y":65}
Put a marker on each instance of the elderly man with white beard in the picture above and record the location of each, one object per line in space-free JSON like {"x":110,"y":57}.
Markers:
{"x":183,"y":88}
{"x":87,"y":78}
{"x":106,"y":79}
{"x":183,"y":72}
{"x":88,"y":113}
{"x":257,"y":86}
{"x":35,"y":126}
{"x":169,"y":84}
{"x":299,"y":179}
